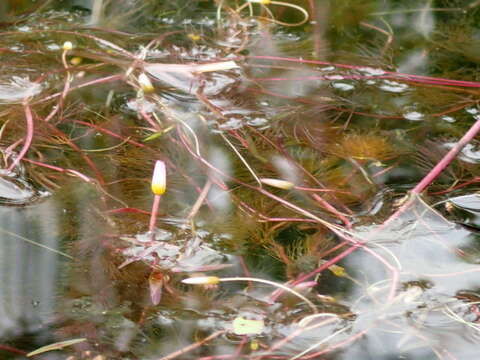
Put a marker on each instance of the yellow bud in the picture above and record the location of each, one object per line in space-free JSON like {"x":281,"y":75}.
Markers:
{"x":202,"y":280}
{"x":280,"y":184}
{"x":77,"y":60}
{"x":159,"y":179}
{"x":67,"y":46}
{"x":194,"y":37}
{"x":145,"y":83}
{"x":338,"y":270}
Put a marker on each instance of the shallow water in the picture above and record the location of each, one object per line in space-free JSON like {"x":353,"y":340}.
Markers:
{"x":350,"y":110}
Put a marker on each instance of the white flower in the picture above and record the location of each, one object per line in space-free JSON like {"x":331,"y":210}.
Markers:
{"x":67,"y":46}
{"x":145,"y":83}
{"x":159,"y":179}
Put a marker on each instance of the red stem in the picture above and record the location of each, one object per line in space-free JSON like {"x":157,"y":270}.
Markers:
{"x":153,"y":217}
{"x":436,"y":171}
{"x":333,"y":210}
{"x":28,"y":139}
{"x":12,"y":349}
{"x":193,"y":346}
{"x":410,"y":77}
{"x":448,"y":158}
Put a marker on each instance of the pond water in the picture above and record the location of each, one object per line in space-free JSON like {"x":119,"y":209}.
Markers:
{"x":295,"y":222}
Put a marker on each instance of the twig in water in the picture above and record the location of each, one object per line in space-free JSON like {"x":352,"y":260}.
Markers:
{"x":200,"y":200}
{"x":210,"y":280}
{"x":193,"y":346}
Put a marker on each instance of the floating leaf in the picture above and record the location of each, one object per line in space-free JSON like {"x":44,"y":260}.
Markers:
{"x":242,"y":326}
{"x":55,"y":346}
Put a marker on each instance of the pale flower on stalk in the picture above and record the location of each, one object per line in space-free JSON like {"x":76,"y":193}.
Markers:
{"x":67,"y":46}
{"x":145,"y":83}
{"x":202,"y":280}
{"x":280,"y":184}
{"x":159,"y":179}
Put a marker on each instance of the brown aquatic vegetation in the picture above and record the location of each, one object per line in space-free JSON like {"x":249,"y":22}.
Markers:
{"x":374,"y":147}
{"x":124,"y":107}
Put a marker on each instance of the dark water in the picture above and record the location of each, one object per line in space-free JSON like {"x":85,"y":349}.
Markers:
{"x":350,"y":109}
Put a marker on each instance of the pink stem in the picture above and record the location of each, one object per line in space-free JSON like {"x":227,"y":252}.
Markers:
{"x":411,"y":77}
{"x":28,"y":139}
{"x":332,"y":209}
{"x":88,"y":83}
{"x":12,"y":349}
{"x":153,"y":217}
{"x":466,"y":183}
{"x":448,"y":158}
{"x":59,"y":169}
{"x":193,"y":346}
{"x":127,"y":210}
{"x":147,"y":117}
{"x":337,"y":345}
{"x":436,"y":171}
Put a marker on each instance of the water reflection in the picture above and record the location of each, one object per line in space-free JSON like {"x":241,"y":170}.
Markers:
{"x":29,"y":273}
{"x":426,"y":250}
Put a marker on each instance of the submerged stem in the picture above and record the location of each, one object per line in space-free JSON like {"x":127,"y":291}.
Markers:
{"x":281,"y":286}
{"x":153,"y":216}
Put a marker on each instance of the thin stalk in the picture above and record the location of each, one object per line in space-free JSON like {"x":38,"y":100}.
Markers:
{"x":153,"y":216}
{"x":294,"y":334}
{"x":400,"y":76}
{"x":103,"y":80}
{"x":13,"y":350}
{"x":193,"y":346}
{"x":448,"y":158}
{"x":28,"y":138}
{"x":436,"y":171}
{"x":201,"y":198}
{"x":321,"y":342}
{"x":62,"y":170}
{"x":242,"y":159}
{"x":37,"y":244}
{"x":271,"y":283}
{"x":333,"y":210}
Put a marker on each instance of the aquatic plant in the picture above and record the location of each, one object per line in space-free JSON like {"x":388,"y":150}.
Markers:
{"x":285,"y":155}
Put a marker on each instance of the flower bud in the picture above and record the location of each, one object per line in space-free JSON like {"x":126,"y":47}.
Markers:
{"x":77,"y":60}
{"x":202,"y":280}
{"x":263,"y":2}
{"x":194,"y":37}
{"x":280,"y":184}
{"x":159,"y":179}
{"x":145,"y":83}
{"x":67,"y":46}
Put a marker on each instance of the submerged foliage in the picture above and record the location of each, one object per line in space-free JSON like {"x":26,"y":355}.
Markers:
{"x":295,"y":155}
